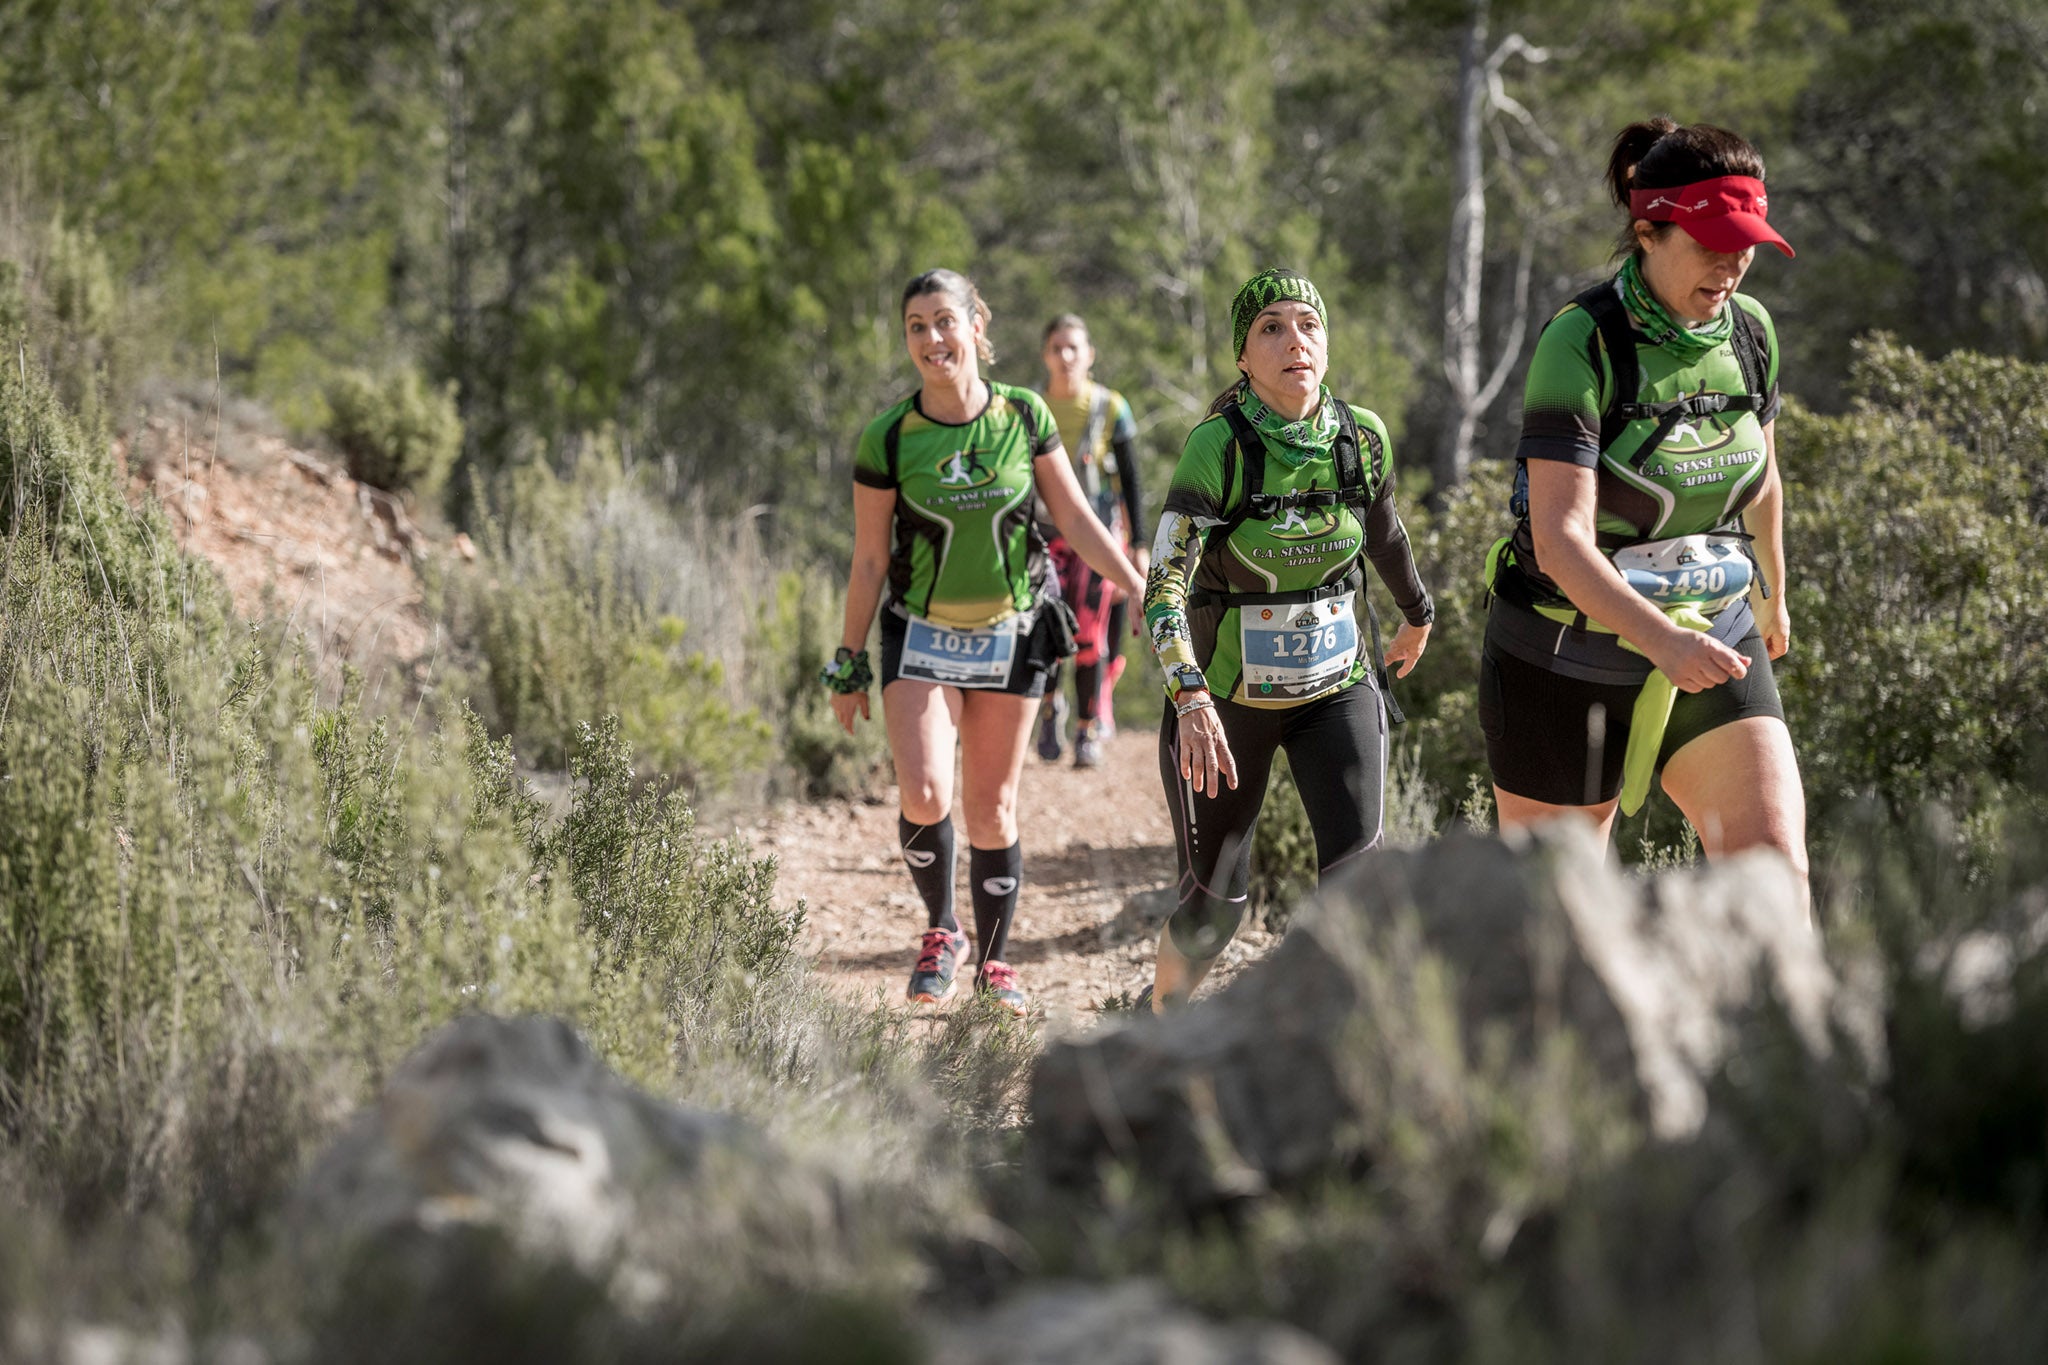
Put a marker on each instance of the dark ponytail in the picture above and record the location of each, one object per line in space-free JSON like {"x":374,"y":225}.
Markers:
{"x":1658,"y":154}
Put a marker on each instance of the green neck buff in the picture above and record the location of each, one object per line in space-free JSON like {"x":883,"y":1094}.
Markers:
{"x":1651,"y":318}
{"x":1312,"y":437}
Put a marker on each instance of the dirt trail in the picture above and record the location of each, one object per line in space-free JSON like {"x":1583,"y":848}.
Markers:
{"x":1093,"y":839}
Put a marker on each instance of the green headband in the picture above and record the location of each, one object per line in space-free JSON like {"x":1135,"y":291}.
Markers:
{"x":1261,"y":292}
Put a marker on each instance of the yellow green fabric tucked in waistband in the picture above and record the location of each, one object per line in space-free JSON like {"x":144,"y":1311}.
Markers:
{"x":1653,"y":703}
{"x":1652,"y":713}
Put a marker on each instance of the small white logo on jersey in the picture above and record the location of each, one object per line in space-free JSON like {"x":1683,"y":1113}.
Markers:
{"x":919,"y":857}
{"x":999,"y":886}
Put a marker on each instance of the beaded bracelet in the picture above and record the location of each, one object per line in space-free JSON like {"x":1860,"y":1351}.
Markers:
{"x":848,"y":672}
{"x":1203,"y":702}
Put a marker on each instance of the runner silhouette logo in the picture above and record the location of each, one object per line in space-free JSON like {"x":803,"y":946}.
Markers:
{"x":966,"y":469}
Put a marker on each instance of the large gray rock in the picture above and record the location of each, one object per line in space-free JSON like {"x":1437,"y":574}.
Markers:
{"x":1294,"y":1066}
{"x":1127,"y":1324}
{"x":515,"y":1125}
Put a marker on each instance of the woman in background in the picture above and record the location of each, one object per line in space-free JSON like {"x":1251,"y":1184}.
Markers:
{"x":1101,"y":440}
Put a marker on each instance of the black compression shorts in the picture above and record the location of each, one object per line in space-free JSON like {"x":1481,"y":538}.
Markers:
{"x":1544,"y":741}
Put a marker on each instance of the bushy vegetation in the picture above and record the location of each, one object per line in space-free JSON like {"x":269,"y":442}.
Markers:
{"x":588,"y":600}
{"x":396,"y":431}
{"x":231,"y":904}
{"x":653,"y":247}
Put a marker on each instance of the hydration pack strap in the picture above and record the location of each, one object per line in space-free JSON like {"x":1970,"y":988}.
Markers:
{"x":1098,"y":417}
{"x":1355,"y":486}
{"x":1618,"y":337}
{"x":1207,"y":597}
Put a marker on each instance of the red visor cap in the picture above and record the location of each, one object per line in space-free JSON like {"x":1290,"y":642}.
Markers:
{"x":1722,"y":214}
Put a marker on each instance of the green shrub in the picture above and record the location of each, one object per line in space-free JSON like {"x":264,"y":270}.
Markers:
{"x":232,"y":903}
{"x":395,"y":431}
{"x":1913,"y":530}
{"x":794,"y":643}
{"x":577,"y":609}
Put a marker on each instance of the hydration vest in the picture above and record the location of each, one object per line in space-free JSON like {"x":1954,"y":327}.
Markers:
{"x":1356,"y":488}
{"x":1602,"y":302}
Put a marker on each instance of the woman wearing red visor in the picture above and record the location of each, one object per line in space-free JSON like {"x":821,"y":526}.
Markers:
{"x":1640,"y":600}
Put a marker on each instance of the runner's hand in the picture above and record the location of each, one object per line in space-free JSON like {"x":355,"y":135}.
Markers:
{"x":1695,"y":661}
{"x":1141,"y":560}
{"x":1774,"y":623}
{"x":1408,"y":644}
{"x":1205,"y":756}
{"x":846,"y":704}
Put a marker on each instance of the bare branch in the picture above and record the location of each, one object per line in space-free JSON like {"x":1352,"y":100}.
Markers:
{"x":1517,"y":328}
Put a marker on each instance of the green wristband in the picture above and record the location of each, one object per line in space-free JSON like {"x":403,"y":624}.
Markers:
{"x":848,"y":672}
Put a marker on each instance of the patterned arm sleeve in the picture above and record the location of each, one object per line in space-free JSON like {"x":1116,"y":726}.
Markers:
{"x":1193,"y":505}
{"x":1175,"y":552}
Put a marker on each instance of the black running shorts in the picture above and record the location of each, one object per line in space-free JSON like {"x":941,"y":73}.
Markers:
{"x":1546,"y":742}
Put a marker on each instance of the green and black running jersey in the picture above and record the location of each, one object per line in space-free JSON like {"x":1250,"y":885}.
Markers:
{"x":1703,"y":473}
{"x":966,"y":551}
{"x":1301,"y":549}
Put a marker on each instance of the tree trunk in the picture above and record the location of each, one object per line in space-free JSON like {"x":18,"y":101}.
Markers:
{"x":451,"y":42}
{"x":1465,"y":255}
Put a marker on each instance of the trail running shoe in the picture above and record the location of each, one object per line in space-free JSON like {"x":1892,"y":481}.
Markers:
{"x":998,"y":981}
{"x":1088,"y":746}
{"x":932,"y":979}
{"x":1143,"y":1004}
{"x":1052,"y":719}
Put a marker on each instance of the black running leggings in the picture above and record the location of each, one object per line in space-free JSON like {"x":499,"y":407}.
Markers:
{"x":1337,"y":750}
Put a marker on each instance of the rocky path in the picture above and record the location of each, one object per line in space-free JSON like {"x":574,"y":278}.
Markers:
{"x":1096,"y":842}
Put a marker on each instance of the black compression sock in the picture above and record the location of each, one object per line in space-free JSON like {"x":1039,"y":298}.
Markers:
{"x":928,"y":853}
{"x":995,"y":874}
